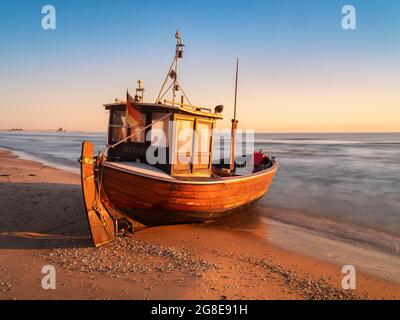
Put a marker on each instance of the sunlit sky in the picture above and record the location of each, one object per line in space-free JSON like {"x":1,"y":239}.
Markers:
{"x":300,"y":71}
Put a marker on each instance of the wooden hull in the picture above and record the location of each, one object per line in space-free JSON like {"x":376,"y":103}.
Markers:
{"x":153,"y":201}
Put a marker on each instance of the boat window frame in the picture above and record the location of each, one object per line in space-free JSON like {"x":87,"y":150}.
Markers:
{"x":122,"y":108}
{"x":111,"y":125}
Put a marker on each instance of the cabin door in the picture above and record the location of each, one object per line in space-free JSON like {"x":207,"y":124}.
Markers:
{"x":183,"y":145}
{"x":193,"y":146}
{"x":202,"y":147}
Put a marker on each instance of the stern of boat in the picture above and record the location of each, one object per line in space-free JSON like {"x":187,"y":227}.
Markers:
{"x":101,"y":223}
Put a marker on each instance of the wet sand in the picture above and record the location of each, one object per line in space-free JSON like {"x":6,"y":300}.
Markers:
{"x":43,"y":222}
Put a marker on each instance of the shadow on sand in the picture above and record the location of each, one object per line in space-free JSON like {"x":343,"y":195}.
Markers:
{"x":42,"y":216}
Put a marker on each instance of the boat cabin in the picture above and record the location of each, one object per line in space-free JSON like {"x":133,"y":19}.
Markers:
{"x":176,"y":138}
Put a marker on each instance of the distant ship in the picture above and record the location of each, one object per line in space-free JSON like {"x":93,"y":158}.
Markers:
{"x":123,"y":192}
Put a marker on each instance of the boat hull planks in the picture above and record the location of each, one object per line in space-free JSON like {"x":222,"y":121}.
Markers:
{"x":153,"y":201}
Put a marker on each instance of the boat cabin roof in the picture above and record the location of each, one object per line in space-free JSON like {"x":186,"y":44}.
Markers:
{"x":162,"y":107}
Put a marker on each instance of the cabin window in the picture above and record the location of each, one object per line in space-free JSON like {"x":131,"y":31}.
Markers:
{"x":138,"y":130}
{"x":117,"y":126}
{"x":159,"y":130}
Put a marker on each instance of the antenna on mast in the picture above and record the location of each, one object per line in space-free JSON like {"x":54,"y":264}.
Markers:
{"x":173,"y":72}
{"x":234,"y":122}
{"x":236,"y":84}
{"x":178,"y":55}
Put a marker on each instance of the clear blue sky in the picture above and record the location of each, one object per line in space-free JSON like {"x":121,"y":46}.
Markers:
{"x":292,"y":54}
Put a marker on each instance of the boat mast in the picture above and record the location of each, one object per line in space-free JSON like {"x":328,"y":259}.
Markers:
{"x":234,"y":122}
{"x":178,"y":44}
{"x":173,"y":73}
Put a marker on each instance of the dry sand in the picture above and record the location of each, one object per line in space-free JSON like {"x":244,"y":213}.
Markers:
{"x":42,"y":221}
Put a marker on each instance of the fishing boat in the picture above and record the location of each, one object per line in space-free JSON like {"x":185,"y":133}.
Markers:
{"x":159,"y":166}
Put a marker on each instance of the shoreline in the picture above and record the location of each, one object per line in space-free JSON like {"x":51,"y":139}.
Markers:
{"x":338,"y":228}
{"x":42,"y":160}
{"x":44,"y":222}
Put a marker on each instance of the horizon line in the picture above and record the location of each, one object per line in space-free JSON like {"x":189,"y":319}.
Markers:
{"x":256,"y":131}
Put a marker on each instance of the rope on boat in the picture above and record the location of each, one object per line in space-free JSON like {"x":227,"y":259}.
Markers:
{"x":158,"y":100}
{"x":183,"y":93}
{"x":165,"y":81}
{"x":96,"y":208}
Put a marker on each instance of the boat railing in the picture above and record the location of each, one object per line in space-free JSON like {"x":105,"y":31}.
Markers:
{"x":185,"y":105}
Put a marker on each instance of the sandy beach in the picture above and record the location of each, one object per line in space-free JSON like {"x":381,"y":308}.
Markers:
{"x":43,"y":223}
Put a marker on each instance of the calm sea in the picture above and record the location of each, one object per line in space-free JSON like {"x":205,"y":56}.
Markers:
{"x":352,"y":177}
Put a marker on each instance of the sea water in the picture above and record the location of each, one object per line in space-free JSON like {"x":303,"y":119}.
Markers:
{"x":354,"y":177}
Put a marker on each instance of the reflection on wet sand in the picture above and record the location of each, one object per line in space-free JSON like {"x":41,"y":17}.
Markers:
{"x":339,"y":242}
{"x":248,"y":219}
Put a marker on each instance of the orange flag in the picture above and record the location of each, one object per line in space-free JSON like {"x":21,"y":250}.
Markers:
{"x":133,"y":116}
